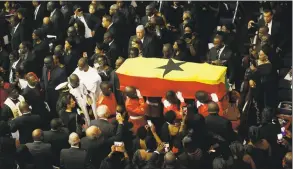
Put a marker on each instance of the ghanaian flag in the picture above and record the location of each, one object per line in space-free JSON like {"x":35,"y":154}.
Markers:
{"x":155,"y":76}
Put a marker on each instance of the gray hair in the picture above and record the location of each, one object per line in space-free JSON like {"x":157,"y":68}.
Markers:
{"x":102,"y":111}
{"x":73,"y":139}
{"x":140,"y":27}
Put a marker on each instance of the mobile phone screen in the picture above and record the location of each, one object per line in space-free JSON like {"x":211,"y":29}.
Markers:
{"x":150,"y":123}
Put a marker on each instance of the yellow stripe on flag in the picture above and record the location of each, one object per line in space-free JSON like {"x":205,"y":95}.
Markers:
{"x":148,"y":67}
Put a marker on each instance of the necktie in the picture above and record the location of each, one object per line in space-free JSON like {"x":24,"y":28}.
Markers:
{"x":49,"y":75}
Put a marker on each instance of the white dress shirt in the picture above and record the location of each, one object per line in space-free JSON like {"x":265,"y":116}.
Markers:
{"x":52,"y":13}
{"x":88,"y":31}
{"x":36,"y":11}
{"x":220,"y":52}
{"x":270,"y":27}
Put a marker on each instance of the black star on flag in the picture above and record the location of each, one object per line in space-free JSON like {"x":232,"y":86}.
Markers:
{"x":171,"y":65}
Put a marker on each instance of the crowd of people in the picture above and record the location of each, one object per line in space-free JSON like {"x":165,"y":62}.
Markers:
{"x":62,"y":105}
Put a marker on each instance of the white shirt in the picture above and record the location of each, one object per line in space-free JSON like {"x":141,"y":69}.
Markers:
{"x":142,"y":40}
{"x":110,"y":25}
{"x":36,"y":11}
{"x":15,"y":28}
{"x":220,"y":52}
{"x":111,"y":42}
{"x":270,"y":26}
{"x":88,"y":31}
{"x":91,"y":79}
{"x":52,"y":13}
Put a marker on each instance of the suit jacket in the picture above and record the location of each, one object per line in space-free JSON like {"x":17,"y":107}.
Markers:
{"x":17,"y":36}
{"x":42,"y":155}
{"x":25,"y":125}
{"x":99,"y":148}
{"x":42,"y":12}
{"x":67,"y":11}
{"x":4,"y":63}
{"x":34,"y":97}
{"x":57,"y":76}
{"x":144,"y":20}
{"x":149,"y":46}
{"x":74,"y":158}
{"x":106,"y":127}
{"x":227,"y":56}
{"x":58,"y":141}
{"x":276,"y":32}
{"x":114,"y":52}
{"x":220,"y":126}
{"x":57,"y":20}
{"x":70,"y":61}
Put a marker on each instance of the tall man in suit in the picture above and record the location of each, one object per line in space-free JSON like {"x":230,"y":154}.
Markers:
{"x":114,"y":49}
{"x":57,"y":20}
{"x":57,"y":138}
{"x":149,"y":44}
{"x":219,"y":125}
{"x":25,"y":124}
{"x":102,"y":123}
{"x":74,"y":157}
{"x":108,"y":24}
{"x":39,"y":13}
{"x":35,"y":99}
{"x":17,"y":33}
{"x":221,"y":55}
{"x":52,"y":76}
{"x":41,"y":152}
{"x":275,"y":29}
{"x":97,"y":145}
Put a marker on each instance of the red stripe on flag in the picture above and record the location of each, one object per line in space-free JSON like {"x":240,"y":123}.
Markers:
{"x":155,"y":87}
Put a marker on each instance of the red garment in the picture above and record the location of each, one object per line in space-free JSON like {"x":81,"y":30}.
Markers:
{"x":3,"y":94}
{"x":109,"y":101}
{"x":136,"y":108}
{"x":223,"y":104}
{"x":174,"y":107}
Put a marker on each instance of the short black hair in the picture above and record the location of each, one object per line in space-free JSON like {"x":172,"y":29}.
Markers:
{"x":56,"y":123}
{"x":27,"y":45}
{"x":108,"y":18}
{"x":141,"y":132}
{"x":266,"y":10}
{"x":75,"y":7}
{"x":170,"y":116}
{"x":102,"y":46}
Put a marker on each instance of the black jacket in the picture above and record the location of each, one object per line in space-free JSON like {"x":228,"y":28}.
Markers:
{"x":42,"y":12}
{"x":74,"y":158}
{"x":25,"y":125}
{"x":42,"y":154}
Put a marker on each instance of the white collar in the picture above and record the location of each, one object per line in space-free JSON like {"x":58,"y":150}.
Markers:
{"x":52,"y":12}
{"x":74,"y":147}
{"x":37,"y":141}
{"x":110,"y":25}
{"x":16,"y":27}
{"x":32,"y":87}
{"x":102,"y":118}
{"x":142,"y":40}
{"x":26,"y":113}
{"x":111,"y":42}
{"x":270,"y":27}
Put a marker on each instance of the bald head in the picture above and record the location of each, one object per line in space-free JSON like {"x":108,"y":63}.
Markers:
{"x":71,"y":31}
{"x":92,"y":132}
{"x":213,"y":108}
{"x":23,"y":107}
{"x":130,"y":92}
{"x":287,"y":160}
{"x":74,"y":80}
{"x":37,"y":135}
{"x":170,"y":158}
{"x":73,"y":139}
{"x":82,"y":64}
{"x":114,"y":7}
{"x":46,"y":20}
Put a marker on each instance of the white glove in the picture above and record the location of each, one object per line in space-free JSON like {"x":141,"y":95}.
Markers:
{"x":166,"y":103}
{"x":138,"y":93}
{"x":179,"y":96}
{"x":214,"y":97}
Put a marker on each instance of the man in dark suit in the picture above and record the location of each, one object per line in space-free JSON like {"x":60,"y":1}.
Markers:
{"x":25,"y":124}
{"x":218,"y":125}
{"x":57,"y":20}
{"x":102,"y":123}
{"x":26,"y":22}
{"x":108,"y":24}
{"x":4,"y":62}
{"x":67,"y":11}
{"x":35,"y":99}
{"x":39,"y":13}
{"x":52,"y":76}
{"x":17,"y":33}
{"x":149,"y":43}
{"x":41,"y":152}
{"x":28,"y":58}
{"x":74,"y":157}
{"x":275,"y":29}
{"x":98,"y":146}
{"x":114,"y":50}
{"x":220,"y":54}
{"x":57,"y":138}
{"x":150,"y":12}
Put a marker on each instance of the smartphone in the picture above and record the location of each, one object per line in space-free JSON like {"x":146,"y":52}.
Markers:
{"x":118,"y":144}
{"x":150,"y":124}
{"x":166,"y":147}
{"x":280,"y":137}
{"x":184,"y":110}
